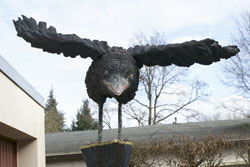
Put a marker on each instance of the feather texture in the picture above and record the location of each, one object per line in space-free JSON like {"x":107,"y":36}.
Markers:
{"x":50,"y":41}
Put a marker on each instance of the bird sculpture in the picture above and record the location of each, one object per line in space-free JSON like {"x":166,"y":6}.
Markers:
{"x":114,"y":71}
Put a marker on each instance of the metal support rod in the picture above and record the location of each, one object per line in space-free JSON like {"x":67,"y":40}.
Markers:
{"x":119,"y":120}
{"x":100,"y":123}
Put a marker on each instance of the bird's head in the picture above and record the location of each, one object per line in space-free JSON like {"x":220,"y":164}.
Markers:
{"x":119,"y":74}
{"x":117,"y":80}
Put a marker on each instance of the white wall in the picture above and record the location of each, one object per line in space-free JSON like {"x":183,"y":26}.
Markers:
{"x":22,"y":119}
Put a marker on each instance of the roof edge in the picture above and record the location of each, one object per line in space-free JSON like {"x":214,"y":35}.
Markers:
{"x":18,"y":79}
{"x":61,"y":154}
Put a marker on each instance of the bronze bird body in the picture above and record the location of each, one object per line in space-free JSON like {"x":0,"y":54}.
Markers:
{"x":114,"y":71}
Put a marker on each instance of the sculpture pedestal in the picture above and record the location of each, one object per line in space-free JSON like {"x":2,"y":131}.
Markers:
{"x":113,"y":153}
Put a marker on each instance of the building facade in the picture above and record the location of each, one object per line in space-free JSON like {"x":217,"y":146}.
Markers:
{"x":63,"y":148}
{"x":22,"y":138}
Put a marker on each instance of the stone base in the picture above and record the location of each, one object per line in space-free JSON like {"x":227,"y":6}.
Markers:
{"x":113,"y":153}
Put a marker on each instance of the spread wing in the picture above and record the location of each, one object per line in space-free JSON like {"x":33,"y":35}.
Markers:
{"x":184,"y":54}
{"x":50,"y":41}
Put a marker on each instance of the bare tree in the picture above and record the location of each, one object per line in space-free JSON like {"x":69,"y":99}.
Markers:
{"x":163,"y":91}
{"x":201,"y":117}
{"x":182,"y":152}
{"x":109,"y":108}
{"x":237,"y":69}
{"x":242,"y":150}
{"x":236,"y":107}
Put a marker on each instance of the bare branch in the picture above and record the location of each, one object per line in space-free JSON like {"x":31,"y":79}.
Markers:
{"x":237,"y":69}
{"x":144,"y":105}
{"x":160,"y":96}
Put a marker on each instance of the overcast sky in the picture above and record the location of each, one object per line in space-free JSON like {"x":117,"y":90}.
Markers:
{"x":115,"y":21}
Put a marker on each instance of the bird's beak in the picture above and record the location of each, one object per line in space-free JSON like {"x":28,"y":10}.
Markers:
{"x":117,"y":85}
{"x":230,"y":50}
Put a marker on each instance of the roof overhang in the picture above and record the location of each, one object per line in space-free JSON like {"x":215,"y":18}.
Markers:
{"x":17,"y":78}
